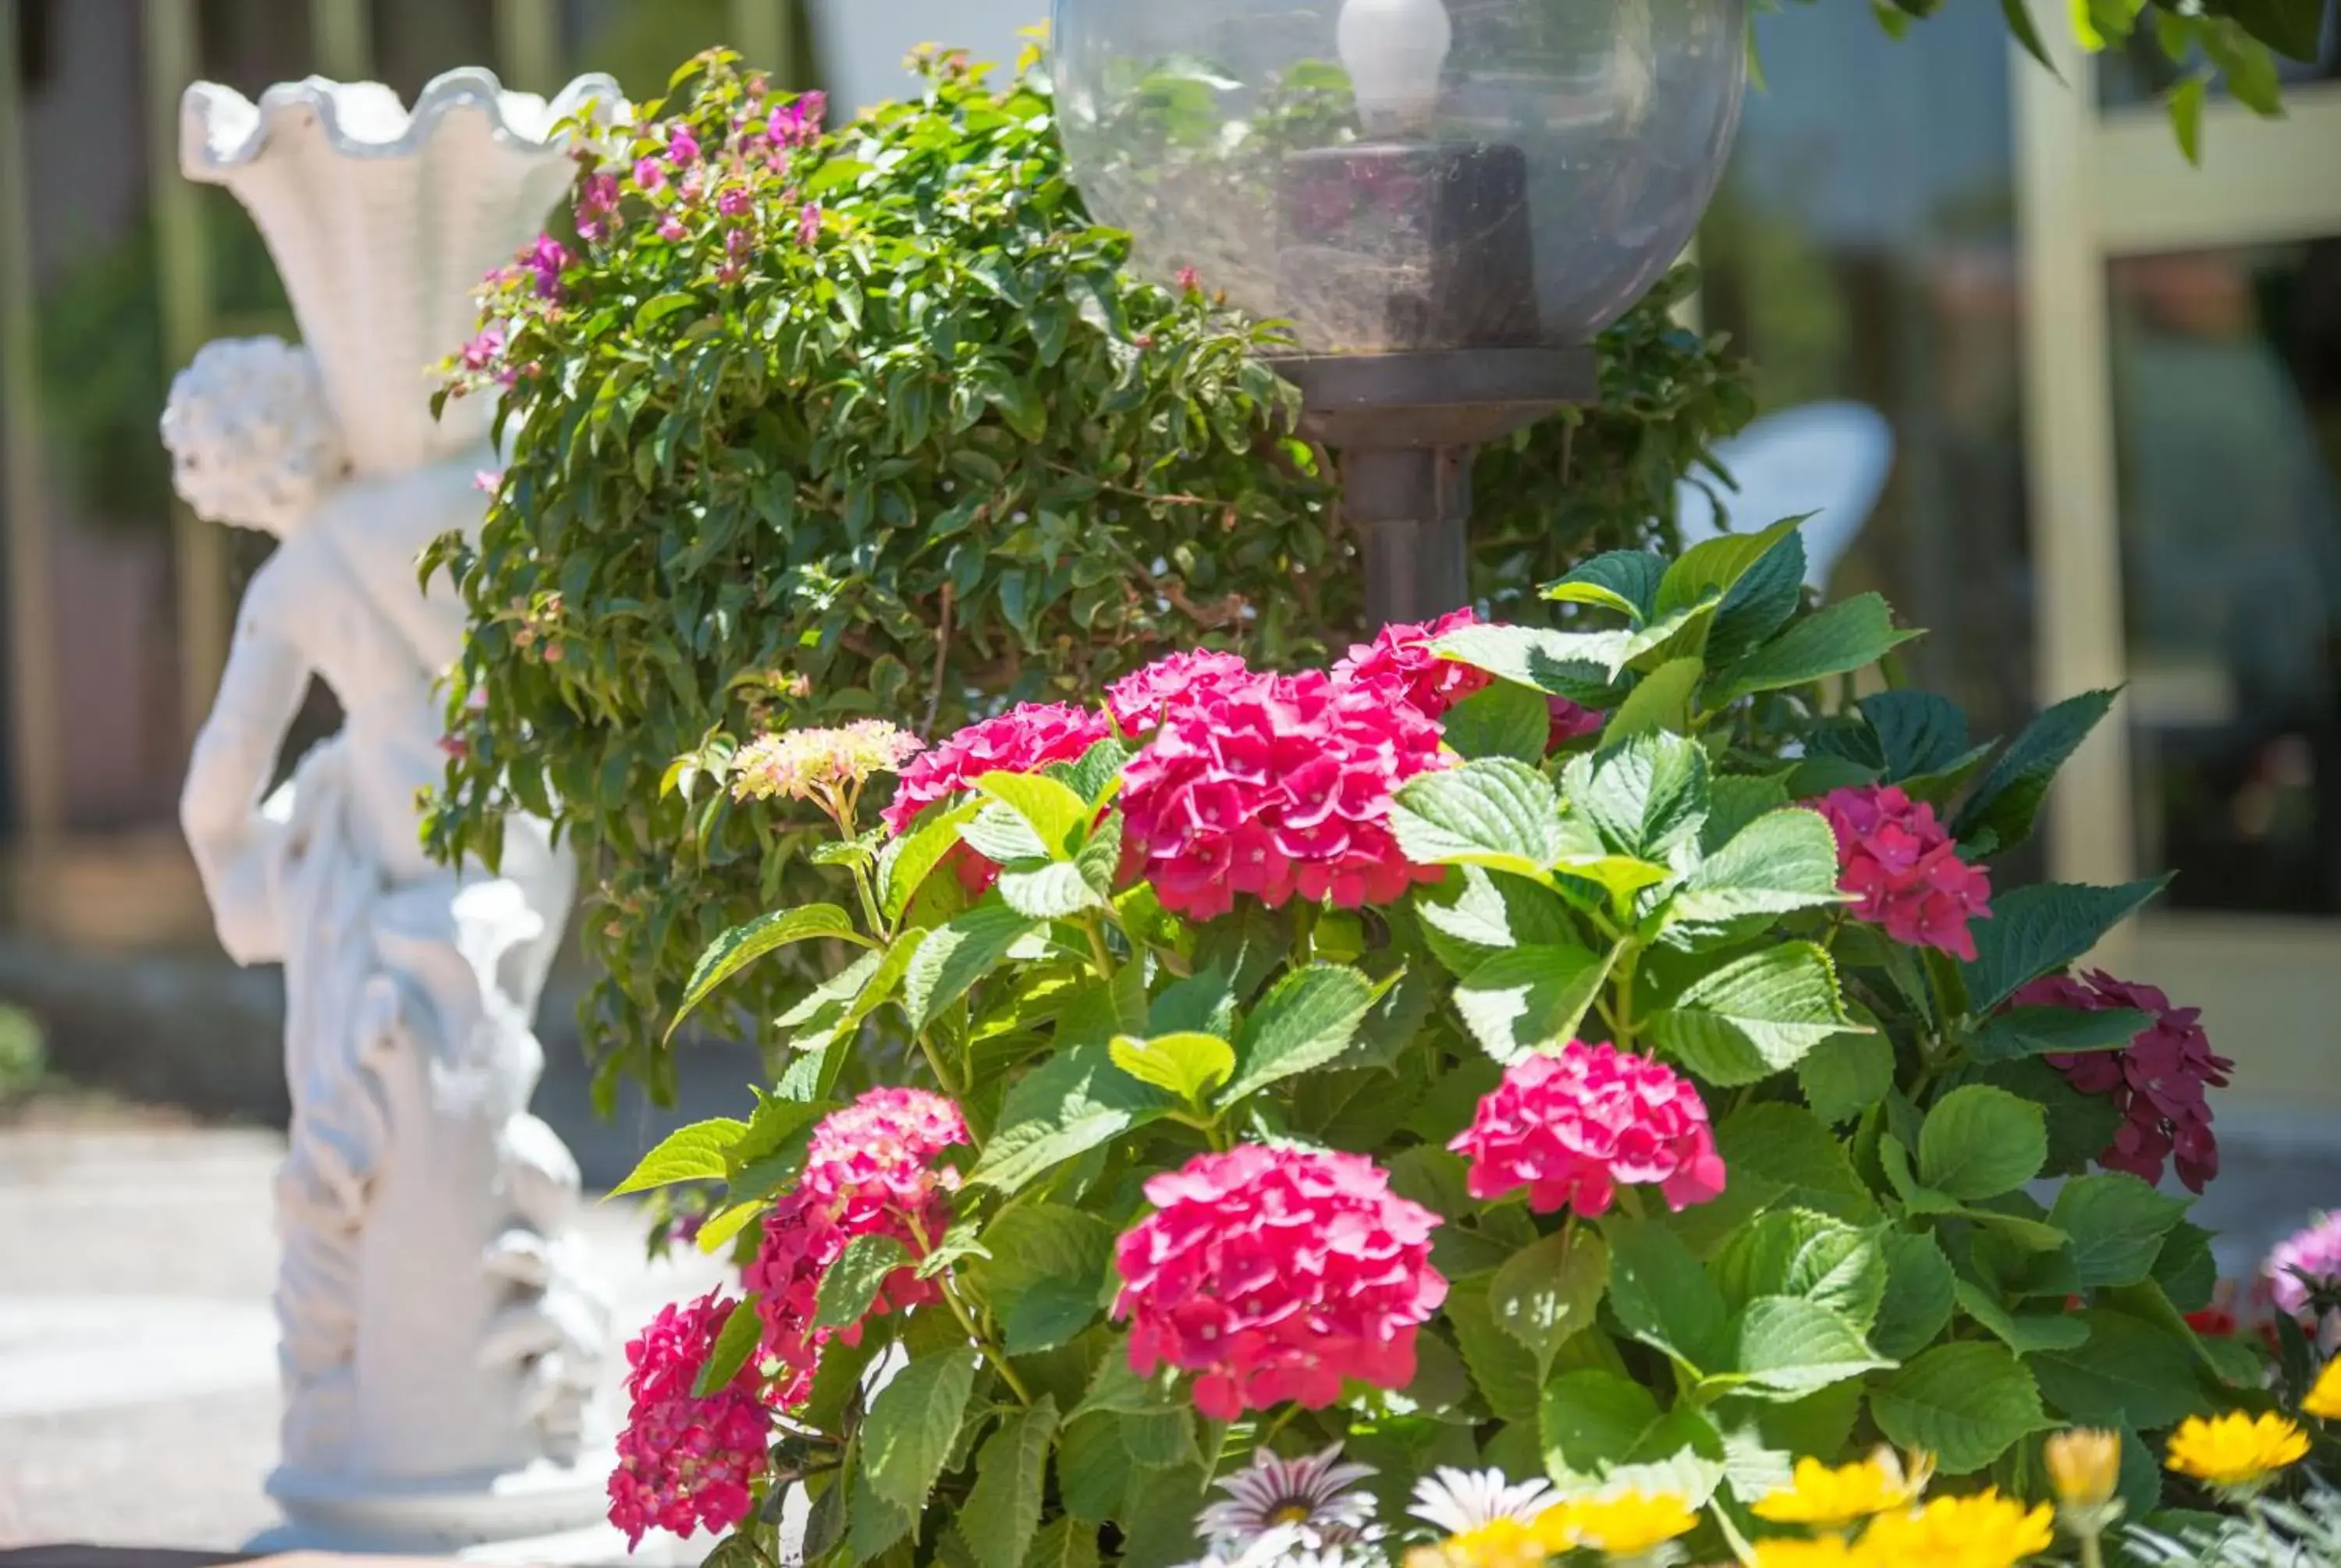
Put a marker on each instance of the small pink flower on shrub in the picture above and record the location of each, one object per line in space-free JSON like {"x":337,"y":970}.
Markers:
{"x":2157,"y":1081}
{"x":1575,"y":1125}
{"x":1399,"y":658}
{"x":486,"y":348}
{"x":1139,"y":700}
{"x":1274,"y":1273}
{"x":685,"y":1462}
{"x":874,"y":1168}
{"x":681,"y":146}
{"x":650,"y":174}
{"x":1903,"y":867}
{"x":2311,"y":1253}
{"x":545,"y":259}
{"x":1276,"y":785}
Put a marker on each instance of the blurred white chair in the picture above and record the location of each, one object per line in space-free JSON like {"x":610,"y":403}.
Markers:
{"x":1829,"y":459}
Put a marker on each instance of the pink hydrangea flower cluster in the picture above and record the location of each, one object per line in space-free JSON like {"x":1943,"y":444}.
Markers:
{"x":1273,"y":785}
{"x":1903,"y":869}
{"x":2309,"y":1259}
{"x":874,"y":1168}
{"x":1274,"y":1273}
{"x":1400,"y":658}
{"x":1575,"y":1125}
{"x":1137,"y":701}
{"x":684,"y":1462}
{"x":2158,"y":1081}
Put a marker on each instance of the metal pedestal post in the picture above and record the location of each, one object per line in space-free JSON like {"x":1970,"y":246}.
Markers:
{"x":1412,"y":508}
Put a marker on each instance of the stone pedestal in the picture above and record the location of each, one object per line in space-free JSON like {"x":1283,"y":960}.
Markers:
{"x":440,"y":1337}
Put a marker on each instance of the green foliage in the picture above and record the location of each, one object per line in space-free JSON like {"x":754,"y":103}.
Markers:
{"x":1873,"y":1270}
{"x":946,"y":455}
{"x":2233,"y":42}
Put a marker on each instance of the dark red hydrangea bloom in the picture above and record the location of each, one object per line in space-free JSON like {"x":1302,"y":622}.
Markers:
{"x":1570,"y":722}
{"x":1139,"y":700}
{"x":874,"y":1168}
{"x":1274,"y":1273}
{"x":684,"y":1462}
{"x":1400,"y":659}
{"x":1276,"y":785}
{"x":2158,"y":1081}
{"x":1576,"y":1125}
{"x":1903,"y":869}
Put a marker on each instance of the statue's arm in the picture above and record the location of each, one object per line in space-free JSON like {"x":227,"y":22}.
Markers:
{"x":237,"y":849}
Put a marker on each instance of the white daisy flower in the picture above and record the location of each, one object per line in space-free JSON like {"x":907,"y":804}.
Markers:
{"x":1309,"y":1503}
{"x":1456,"y":1501}
{"x":1292,"y":1546}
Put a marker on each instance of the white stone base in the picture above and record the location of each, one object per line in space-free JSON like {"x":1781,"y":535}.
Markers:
{"x":546,"y":1514}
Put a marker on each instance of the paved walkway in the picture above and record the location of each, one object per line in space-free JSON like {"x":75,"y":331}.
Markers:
{"x":138,"y":1398}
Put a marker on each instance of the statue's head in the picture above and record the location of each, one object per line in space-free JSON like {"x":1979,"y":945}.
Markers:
{"x":253,"y":439}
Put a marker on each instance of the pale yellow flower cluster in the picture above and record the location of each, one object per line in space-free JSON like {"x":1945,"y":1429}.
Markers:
{"x":826,"y":767}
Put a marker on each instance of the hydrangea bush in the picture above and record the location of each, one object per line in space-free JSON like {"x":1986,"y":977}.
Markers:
{"x":1603,"y":1059}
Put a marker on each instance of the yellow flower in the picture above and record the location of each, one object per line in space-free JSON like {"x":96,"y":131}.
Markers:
{"x":1832,"y":1499}
{"x":1502,"y":1543}
{"x":2234,"y":1450}
{"x":1623,"y":1525}
{"x":1985,"y":1531}
{"x":2084,"y":1466}
{"x":1827,"y":1552}
{"x":2324,"y":1401}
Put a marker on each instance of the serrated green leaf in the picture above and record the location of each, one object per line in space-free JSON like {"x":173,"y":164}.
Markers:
{"x":912,"y":1423}
{"x":1002,"y":1511}
{"x":1476,"y":913}
{"x":1093,"y":1469}
{"x":1062,"y":1544}
{"x":1503,"y":720}
{"x":1035,"y":1242}
{"x":1979,"y":1142}
{"x":2039,"y":930}
{"x":1790,"y":1348}
{"x":2021,"y":1332}
{"x":1049,"y":890}
{"x":1850,"y":635}
{"x":1494,"y":812}
{"x":1663,"y":1297}
{"x":1550,"y":1290}
{"x":1059,"y":817}
{"x":1529,"y":998}
{"x":2007,"y":802}
{"x":1069,"y":1105}
{"x":1590,"y":1419}
{"x":1846,"y":1075}
{"x":738,"y":948}
{"x":1644,"y":798}
{"x":741,"y":1332}
{"x":1966,"y":1404}
{"x":1190,"y":1064}
{"x":956,"y":955}
{"x":2021,"y":1032}
{"x":2128,"y":1372}
{"x":852,"y":1282}
{"x":1783,"y":861}
{"x":1048,"y":1315}
{"x":700,"y":1152}
{"x":1754,"y":1017}
{"x":721,"y":1228}
{"x":1096,"y":775}
{"x":1307,"y":1018}
{"x":1570,"y":664}
{"x":1807,"y":1255}
{"x":1659,"y":700}
{"x":1711,"y":568}
{"x":1003,"y":837}
{"x":1501,"y":1368}
{"x":2117,"y":1223}
{"x":1920,"y":1291}
{"x":1625,"y":581}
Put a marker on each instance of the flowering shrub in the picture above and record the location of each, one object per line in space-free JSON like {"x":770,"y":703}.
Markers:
{"x":812,"y":424}
{"x":1329,"y":1063}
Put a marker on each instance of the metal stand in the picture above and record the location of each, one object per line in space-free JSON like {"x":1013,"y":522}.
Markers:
{"x":1404,"y":428}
